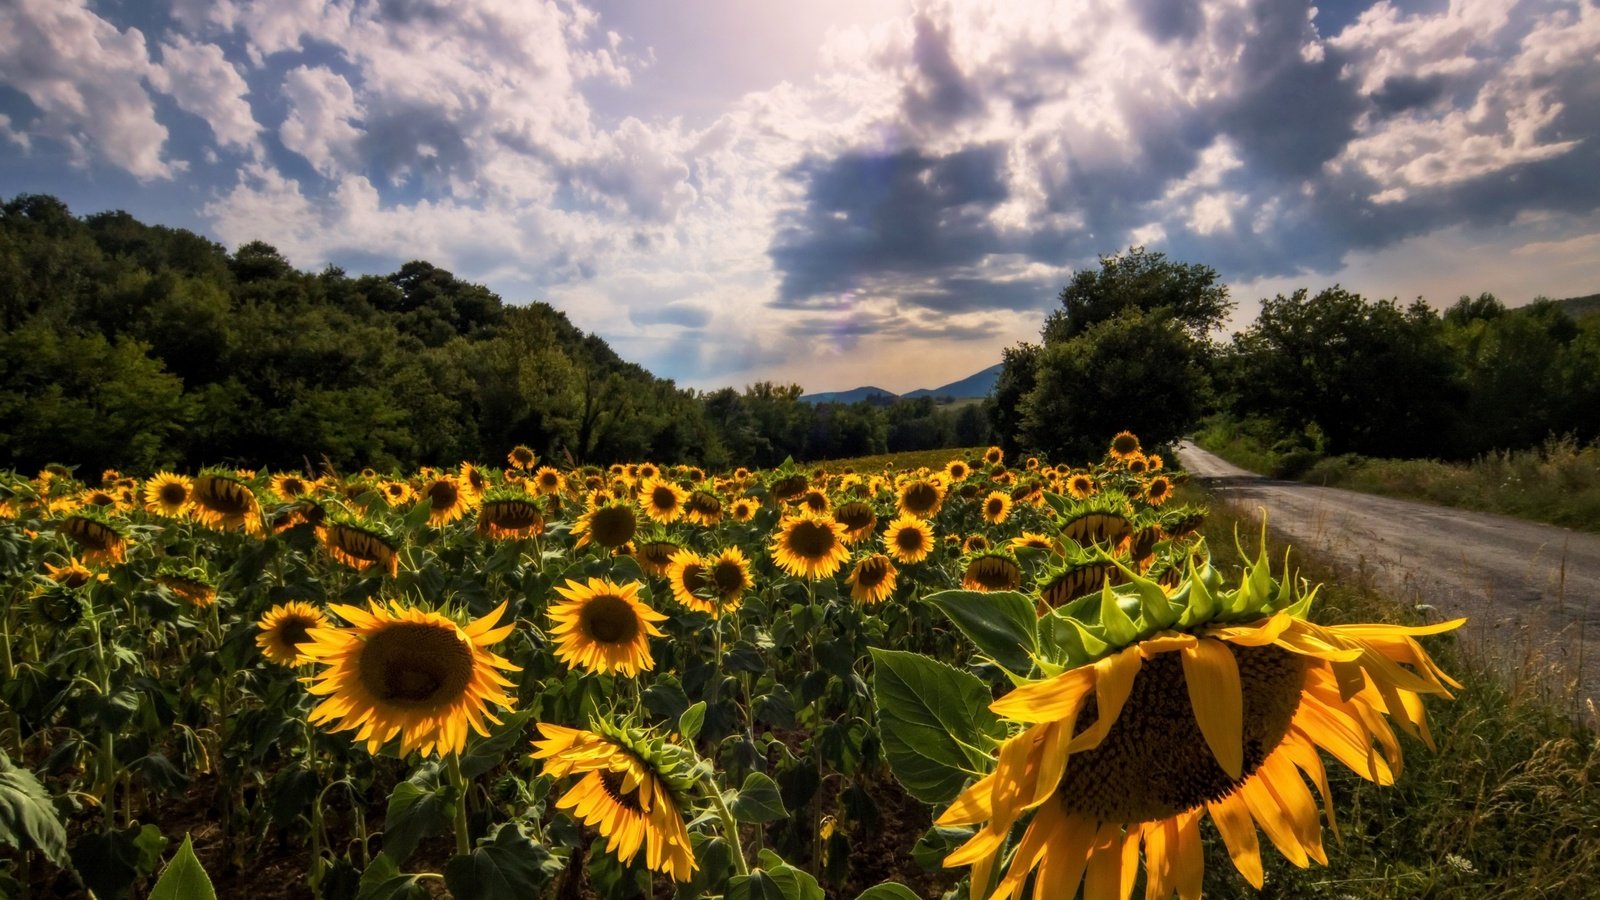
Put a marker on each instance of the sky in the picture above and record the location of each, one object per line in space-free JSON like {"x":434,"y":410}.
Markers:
{"x":836,"y":192}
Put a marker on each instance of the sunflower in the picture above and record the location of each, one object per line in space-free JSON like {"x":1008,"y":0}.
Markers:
{"x":872,"y":580}
{"x":655,"y":556}
{"x":1136,"y":464}
{"x":975,"y":543}
{"x":508,"y":514}
{"x":474,"y":480}
{"x":994,"y":456}
{"x":956,"y":470}
{"x":687,"y":576}
{"x":167,"y":494}
{"x":447,"y":499}
{"x":1158,"y":490}
{"x":98,"y":540}
{"x":921,"y":497}
{"x":728,"y":576}
{"x":522,"y":457}
{"x":285,"y":628}
{"x":1155,"y":462}
{"x":816,"y":500}
{"x":991,"y":570}
{"x":224,"y":503}
{"x":290,"y":487}
{"x":996,"y":507}
{"x":661,"y":500}
{"x":188,"y":584}
{"x":609,"y":524}
{"x":104,"y":499}
{"x":809,"y":545}
{"x":743,"y":509}
{"x":604,"y":627}
{"x":409,"y":672}
{"x":1081,"y":485}
{"x":395,"y":493}
{"x":858,"y":519}
{"x":703,"y":507}
{"x":548,"y":481}
{"x":359,"y":546}
{"x":645,"y":471}
{"x":630,"y":791}
{"x":1124,"y":445}
{"x":1033,"y":540}
{"x":788,"y":487}
{"x":909,"y":540}
{"x":74,"y":574}
{"x":1208,"y":703}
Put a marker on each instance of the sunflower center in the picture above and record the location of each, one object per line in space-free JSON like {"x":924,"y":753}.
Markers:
{"x":995,"y":508}
{"x":610,"y":620}
{"x":295,"y":632}
{"x":921,"y":497}
{"x":173,"y":494}
{"x":872,"y":572}
{"x":442,"y":495}
{"x":1154,"y":762}
{"x":663,"y":498}
{"x":612,"y":782}
{"x":994,"y":574}
{"x":416,"y":664}
{"x":612,"y":526}
{"x":909,"y":540}
{"x":811,"y":540}
{"x":694,"y":577}
{"x":728,"y":577}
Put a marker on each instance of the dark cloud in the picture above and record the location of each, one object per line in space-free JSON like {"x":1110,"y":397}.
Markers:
{"x":867,"y":215}
{"x":941,"y":94}
{"x":417,"y":142}
{"x":1404,"y":92}
{"x":847,"y":328}
{"x":1168,"y":20}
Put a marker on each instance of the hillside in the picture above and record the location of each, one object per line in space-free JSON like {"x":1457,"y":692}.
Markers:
{"x":1581,"y":308}
{"x":974,"y":387}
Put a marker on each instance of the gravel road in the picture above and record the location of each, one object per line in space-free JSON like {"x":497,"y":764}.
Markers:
{"x":1532,"y":591}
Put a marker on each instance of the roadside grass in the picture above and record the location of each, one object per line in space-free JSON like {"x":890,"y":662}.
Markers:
{"x":1558,"y":482}
{"x":1508,"y":806}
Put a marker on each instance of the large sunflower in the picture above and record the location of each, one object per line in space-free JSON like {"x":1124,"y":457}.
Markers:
{"x":604,"y":627}
{"x":909,"y":539}
{"x":810,"y":546}
{"x":98,"y":540}
{"x":286,"y":628}
{"x":921,"y":497}
{"x":411,"y":673}
{"x":167,"y":494}
{"x":609,"y":524}
{"x":1207,"y":702}
{"x":624,"y":792}
{"x":872,"y":580}
{"x":224,"y":503}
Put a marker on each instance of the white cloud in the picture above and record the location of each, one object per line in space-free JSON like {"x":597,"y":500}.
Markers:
{"x":321,"y":122}
{"x":87,"y":78}
{"x":203,"y":82}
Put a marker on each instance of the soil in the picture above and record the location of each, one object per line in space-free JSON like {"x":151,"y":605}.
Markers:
{"x":1531,"y":591}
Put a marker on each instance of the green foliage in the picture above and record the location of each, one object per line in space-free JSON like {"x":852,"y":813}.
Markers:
{"x":1140,"y":281}
{"x":28,"y":818}
{"x":935,"y":722}
{"x":184,"y":877}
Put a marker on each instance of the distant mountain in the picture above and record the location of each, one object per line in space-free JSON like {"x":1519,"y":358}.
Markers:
{"x":854,"y":395}
{"x":1581,"y":307}
{"x":973,"y":387}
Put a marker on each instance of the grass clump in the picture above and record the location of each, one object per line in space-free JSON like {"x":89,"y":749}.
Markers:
{"x":1508,"y":806}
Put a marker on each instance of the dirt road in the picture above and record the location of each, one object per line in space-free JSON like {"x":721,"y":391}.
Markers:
{"x":1532,"y":591}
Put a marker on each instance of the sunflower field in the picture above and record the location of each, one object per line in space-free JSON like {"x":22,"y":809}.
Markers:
{"x":979,"y":679}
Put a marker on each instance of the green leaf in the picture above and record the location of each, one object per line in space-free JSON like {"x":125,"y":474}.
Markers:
{"x":775,"y":880}
{"x":935,"y":723}
{"x":1003,"y":624}
{"x":510,"y":867}
{"x":493,"y":750}
{"x":419,"y":807}
{"x":383,"y":880}
{"x":758,"y":801}
{"x":28,"y":818}
{"x":110,"y":862}
{"x":689,"y":723}
{"x":889,"y":890}
{"x":184,"y":878}
{"x":1119,"y":629}
{"x":937,"y":843}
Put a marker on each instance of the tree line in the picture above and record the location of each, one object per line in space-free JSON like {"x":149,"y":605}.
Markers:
{"x":143,"y":347}
{"x":1134,"y":344}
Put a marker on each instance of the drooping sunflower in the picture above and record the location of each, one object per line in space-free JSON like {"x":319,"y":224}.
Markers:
{"x":224,"y":503}
{"x":189,"y":584}
{"x":662,"y":500}
{"x":743,"y":509}
{"x":921,"y":497}
{"x":97,"y":539}
{"x":508,"y":513}
{"x":604,"y":627}
{"x":996,"y":507}
{"x":359,"y":545}
{"x":810,"y":546}
{"x":290,"y":487}
{"x":703,"y":507}
{"x":872,"y":580}
{"x":285,"y":628}
{"x":991,"y":570}
{"x":448,"y":500}
{"x":655,"y":555}
{"x":167,"y":494}
{"x":408,"y":672}
{"x":1158,"y":490}
{"x":1124,"y":445}
{"x":1208,"y":702}
{"x":909,"y":540}
{"x":74,"y":574}
{"x":1081,"y":485}
{"x":610,"y":524}
{"x":632,"y":791}
{"x":788,"y":487}
{"x":522,"y":457}
{"x":858,"y":519}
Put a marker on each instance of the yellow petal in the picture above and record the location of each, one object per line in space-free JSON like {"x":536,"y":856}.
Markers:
{"x":1212,"y":675}
{"x":1113,"y":681}
{"x":1238,"y":832}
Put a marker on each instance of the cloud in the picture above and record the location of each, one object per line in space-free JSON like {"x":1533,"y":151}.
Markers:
{"x":87,"y":79}
{"x":321,"y":125}
{"x":203,"y":82}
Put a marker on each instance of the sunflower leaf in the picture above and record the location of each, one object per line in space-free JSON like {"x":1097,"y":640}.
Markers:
{"x":28,"y":818}
{"x":690,"y":721}
{"x":486,"y":753}
{"x":1002,"y":624}
{"x":419,"y":807}
{"x":184,"y":877}
{"x":383,"y":880}
{"x":1120,"y":630}
{"x":889,"y":890}
{"x":935,"y":723}
{"x":510,"y":867}
{"x":758,"y":801}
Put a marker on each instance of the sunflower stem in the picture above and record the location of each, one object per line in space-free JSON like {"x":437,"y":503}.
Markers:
{"x":730,"y":827}
{"x":459,"y":785}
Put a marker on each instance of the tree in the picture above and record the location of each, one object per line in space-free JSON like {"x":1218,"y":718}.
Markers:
{"x":1138,"y":280}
